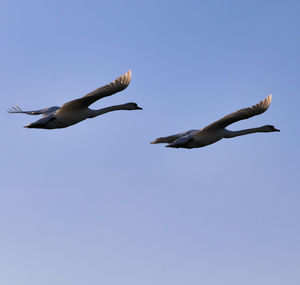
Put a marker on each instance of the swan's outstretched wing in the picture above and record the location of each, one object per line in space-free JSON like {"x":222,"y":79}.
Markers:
{"x":242,"y":114}
{"x":173,"y":138}
{"x":45,"y":112}
{"x":116,"y":86}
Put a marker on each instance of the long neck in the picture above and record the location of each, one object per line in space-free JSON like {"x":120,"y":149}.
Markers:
{"x":232,"y":134}
{"x":95,"y":113}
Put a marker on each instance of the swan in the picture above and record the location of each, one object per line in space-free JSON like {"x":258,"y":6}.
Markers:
{"x":217,"y":130}
{"x":77,"y":110}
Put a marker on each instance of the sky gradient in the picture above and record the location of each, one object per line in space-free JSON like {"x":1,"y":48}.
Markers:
{"x":95,"y":203}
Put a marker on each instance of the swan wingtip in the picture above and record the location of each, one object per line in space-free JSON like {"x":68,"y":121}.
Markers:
{"x":128,"y":73}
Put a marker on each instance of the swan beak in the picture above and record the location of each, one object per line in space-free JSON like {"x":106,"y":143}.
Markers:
{"x":139,"y":108}
{"x":276,"y":130}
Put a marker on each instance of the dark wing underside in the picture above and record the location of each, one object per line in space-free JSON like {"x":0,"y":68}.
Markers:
{"x":172,"y":138}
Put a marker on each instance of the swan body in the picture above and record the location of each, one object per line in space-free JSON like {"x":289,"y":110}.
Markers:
{"x":217,"y":130}
{"x":77,"y":110}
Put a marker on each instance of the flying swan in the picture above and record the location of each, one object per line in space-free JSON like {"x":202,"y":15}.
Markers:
{"x":77,"y":110}
{"x":216,"y":131}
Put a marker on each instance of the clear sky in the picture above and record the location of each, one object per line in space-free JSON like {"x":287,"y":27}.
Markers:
{"x":95,"y":203}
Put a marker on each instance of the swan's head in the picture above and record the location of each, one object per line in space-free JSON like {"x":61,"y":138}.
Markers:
{"x":132,"y":106}
{"x":270,"y":128}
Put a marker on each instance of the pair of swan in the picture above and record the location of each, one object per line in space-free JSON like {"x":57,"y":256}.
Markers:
{"x":78,"y":110}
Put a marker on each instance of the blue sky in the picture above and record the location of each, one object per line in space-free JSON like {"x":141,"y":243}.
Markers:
{"x":95,"y":203}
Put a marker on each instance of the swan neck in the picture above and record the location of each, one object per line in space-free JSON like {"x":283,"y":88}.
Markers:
{"x":232,"y":134}
{"x":95,"y":113}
